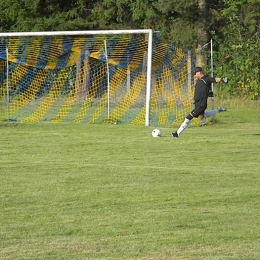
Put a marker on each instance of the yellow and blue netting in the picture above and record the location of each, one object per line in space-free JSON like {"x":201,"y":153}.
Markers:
{"x":65,"y":79}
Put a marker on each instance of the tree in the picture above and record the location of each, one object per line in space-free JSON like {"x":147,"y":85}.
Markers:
{"x":45,"y":15}
{"x":239,"y":53}
{"x":234,"y":26}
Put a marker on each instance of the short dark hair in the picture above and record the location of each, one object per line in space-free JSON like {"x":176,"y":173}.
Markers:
{"x":197,"y":69}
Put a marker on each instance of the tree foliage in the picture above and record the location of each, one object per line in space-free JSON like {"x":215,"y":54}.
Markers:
{"x":234,"y":26}
{"x":239,"y":49}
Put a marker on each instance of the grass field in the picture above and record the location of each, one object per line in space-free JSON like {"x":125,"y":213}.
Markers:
{"x":87,"y":191}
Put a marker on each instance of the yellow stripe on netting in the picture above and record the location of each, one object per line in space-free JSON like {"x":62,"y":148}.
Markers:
{"x":70,"y":100}
{"x":73,"y":95}
{"x":159,"y":55}
{"x":99,"y":43}
{"x":138,"y":56}
{"x":119,"y":51}
{"x":13,"y":49}
{"x":184,"y":97}
{"x":28,"y":95}
{"x":169,"y":91}
{"x":167,"y":94}
{"x":33,"y":52}
{"x":130,"y":98}
{"x":180,"y":55}
{"x":51,"y":97}
{"x":98,"y":47}
{"x":16,"y":76}
{"x":185,"y":101}
{"x":96,"y":51}
{"x":2,"y":86}
{"x":140,"y":118}
{"x":31,"y":55}
{"x":91,"y":94}
{"x":163,"y":117}
{"x":2,"y":66}
{"x":75,"y":54}
{"x":117,"y":79}
{"x":155,"y":93}
{"x":54,"y":53}
{"x":115,"y":83}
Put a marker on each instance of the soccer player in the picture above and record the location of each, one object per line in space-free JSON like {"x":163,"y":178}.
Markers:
{"x":201,"y":94}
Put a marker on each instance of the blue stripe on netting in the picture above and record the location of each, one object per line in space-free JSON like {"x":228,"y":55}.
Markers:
{"x":87,"y":48}
{"x":48,"y":83}
{"x":42,"y":58}
{"x":66,"y":52}
{"x":25,"y":81}
{"x":128,"y":55}
{"x":2,"y":55}
{"x":23,"y":48}
{"x":19,"y":58}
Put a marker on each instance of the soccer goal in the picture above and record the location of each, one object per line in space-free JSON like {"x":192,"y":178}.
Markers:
{"x":116,"y":76}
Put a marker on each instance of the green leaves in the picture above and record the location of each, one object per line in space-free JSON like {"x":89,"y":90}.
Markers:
{"x":234,"y":26}
{"x":241,"y":47}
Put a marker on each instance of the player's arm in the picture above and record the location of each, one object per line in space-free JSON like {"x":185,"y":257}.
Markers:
{"x":225,"y":80}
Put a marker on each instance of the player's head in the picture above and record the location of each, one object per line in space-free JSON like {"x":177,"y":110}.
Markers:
{"x":198,"y":72}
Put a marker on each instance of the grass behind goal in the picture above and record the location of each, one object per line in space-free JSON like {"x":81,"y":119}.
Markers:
{"x":114,"y":192}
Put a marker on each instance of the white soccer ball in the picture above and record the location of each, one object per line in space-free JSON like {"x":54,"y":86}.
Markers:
{"x":156,"y":133}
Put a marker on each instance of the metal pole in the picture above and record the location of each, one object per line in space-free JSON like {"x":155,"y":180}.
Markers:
{"x":212,"y":73}
{"x":189,"y":71}
{"x":211,"y":57}
{"x":108,"y":84}
{"x":7,"y":84}
{"x":149,"y":76}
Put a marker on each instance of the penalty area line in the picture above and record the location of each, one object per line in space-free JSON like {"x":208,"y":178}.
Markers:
{"x":128,"y":166}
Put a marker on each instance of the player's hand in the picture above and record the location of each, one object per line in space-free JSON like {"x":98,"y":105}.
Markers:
{"x":225,"y":80}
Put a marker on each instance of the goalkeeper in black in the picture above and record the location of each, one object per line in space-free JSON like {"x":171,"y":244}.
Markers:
{"x":201,"y":94}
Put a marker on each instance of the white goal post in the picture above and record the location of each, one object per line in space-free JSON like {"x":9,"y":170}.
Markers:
{"x":100,"y":32}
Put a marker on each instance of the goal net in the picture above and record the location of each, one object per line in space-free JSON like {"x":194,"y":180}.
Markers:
{"x":128,"y":77}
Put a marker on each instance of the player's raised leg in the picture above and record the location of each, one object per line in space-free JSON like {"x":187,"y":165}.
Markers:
{"x":214,"y":111}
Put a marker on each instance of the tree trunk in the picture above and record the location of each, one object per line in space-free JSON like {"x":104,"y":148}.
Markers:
{"x":203,"y":34}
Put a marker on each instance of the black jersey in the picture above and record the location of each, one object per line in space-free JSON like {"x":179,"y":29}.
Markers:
{"x":201,"y":93}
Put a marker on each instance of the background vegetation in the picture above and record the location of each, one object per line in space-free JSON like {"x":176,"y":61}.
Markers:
{"x":234,"y":26}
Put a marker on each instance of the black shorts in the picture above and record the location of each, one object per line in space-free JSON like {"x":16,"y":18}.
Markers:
{"x":197,"y":111}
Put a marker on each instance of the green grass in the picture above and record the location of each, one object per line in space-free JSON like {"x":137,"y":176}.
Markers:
{"x":87,"y":191}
